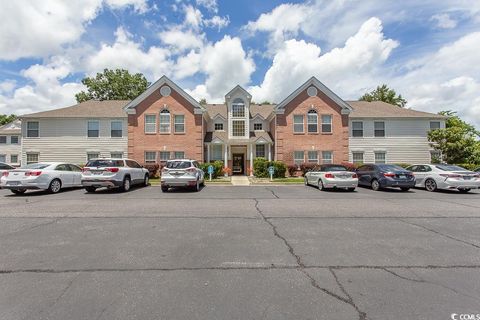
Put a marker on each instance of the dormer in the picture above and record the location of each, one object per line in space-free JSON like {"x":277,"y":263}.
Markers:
{"x":238,"y":104}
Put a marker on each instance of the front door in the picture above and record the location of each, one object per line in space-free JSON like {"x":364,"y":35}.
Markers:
{"x":238,"y":163}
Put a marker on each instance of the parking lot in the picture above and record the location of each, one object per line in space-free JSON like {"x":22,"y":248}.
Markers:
{"x":258,"y":252}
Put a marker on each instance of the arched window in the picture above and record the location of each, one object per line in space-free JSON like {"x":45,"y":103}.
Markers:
{"x":165,"y":121}
{"x":238,"y":108}
{"x":312,"y":121}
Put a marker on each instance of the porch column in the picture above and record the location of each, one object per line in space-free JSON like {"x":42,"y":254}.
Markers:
{"x":208,"y":153}
{"x":251,"y":159}
{"x":225,"y":156}
{"x":269,"y":152}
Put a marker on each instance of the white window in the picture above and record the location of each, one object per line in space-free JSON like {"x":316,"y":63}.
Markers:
{"x":298,"y":123}
{"x":93,"y":130}
{"x":92,"y":155}
{"x":357,"y":157}
{"x":3,"y":139}
{"x":3,"y":158}
{"x":150,"y":157}
{"x":357,"y":129}
{"x":14,"y":139}
{"x":434,"y":125}
{"x":258,"y":126}
{"x":32,"y":158}
{"x":150,"y":123}
{"x":298,"y":157}
{"x":238,"y":108}
{"x":179,"y":155}
{"x":179,"y":123}
{"x":380,"y":157}
{"x":116,"y":130}
{"x":379,"y":128}
{"x":14,"y":158}
{"x":116,"y":155}
{"x":217,"y":152}
{"x":260,"y":150}
{"x":326,"y":123}
{"x":313,"y":156}
{"x":164,"y":155}
{"x":238,"y":128}
{"x":165,"y":121}
{"x":218,"y":126}
{"x":33,"y":129}
{"x":327,"y":157}
{"x":312,"y":121}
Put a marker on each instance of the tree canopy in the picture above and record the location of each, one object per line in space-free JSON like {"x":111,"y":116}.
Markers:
{"x":4,"y":118}
{"x":116,"y":84}
{"x":385,"y":94}
{"x":458,"y":142}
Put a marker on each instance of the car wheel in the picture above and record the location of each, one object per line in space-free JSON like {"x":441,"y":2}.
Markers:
{"x":146,"y":180}
{"x":350,"y":189}
{"x":430,"y":185}
{"x":164,"y":189}
{"x":18,"y":191}
{"x":305,"y":181}
{"x":90,"y":189}
{"x":320,"y":185}
{"x":55,"y":186}
{"x":126,"y":184}
{"x":405,"y":189}
{"x":375,"y":185}
{"x":464,"y":190}
{"x":196,"y":188}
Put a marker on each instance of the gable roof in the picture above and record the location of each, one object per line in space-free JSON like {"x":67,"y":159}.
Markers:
{"x":87,"y":109}
{"x":155,"y":86}
{"x":13,"y":127}
{"x":320,"y":86}
{"x":380,"y":109}
{"x":240,"y":88}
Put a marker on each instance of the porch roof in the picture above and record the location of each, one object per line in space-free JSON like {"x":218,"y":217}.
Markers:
{"x":255,"y":136}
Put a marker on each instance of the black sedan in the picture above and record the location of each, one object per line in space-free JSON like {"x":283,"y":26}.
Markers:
{"x":379,"y":176}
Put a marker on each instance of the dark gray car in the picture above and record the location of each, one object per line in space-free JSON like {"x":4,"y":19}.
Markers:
{"x":379,"y":176}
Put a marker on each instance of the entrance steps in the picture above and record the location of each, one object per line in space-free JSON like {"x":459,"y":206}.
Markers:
{"x":240,"y":181}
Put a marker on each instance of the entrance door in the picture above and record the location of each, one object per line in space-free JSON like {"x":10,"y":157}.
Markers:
{"x":238,"y":163}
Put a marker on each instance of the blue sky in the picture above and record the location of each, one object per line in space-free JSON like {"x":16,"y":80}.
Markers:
{"x":427,"y":51}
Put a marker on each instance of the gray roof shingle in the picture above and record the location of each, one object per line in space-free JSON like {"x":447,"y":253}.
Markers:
{"x":90,"y":108}
{"x":380,"y":109}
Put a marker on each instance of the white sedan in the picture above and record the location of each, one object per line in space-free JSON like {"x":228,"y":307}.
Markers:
{"x":42,"y":176}
{"x":444,"y":176}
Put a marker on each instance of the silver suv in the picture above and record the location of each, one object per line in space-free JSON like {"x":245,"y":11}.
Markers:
{"x":113,"y":173}
{"x":182,"y":173}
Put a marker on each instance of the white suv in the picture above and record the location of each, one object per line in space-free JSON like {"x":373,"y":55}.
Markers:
{"x":182,"y":173}
{"x":113,"y":173}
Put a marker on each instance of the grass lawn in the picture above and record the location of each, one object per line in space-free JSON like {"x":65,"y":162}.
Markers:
{"x":290,"y":180}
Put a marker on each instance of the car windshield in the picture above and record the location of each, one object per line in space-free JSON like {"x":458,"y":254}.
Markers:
{"x":450,"y":168}
{"x":390,"y":167}
{"x":334,"y":168}
{"x":178,"y":164}
{"x":36,"y":166}
{"x":105,"y":163}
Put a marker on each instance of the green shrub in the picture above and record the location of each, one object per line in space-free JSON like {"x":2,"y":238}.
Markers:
{"x":261,"y":165}
{"x":468,"y":166}
{"x":280,"y":168}
{"x":217,"y":169}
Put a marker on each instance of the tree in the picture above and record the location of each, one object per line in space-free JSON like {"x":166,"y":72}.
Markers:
{"x":385,"y":94}
{"x":4,"y":119}
{"x":458,"y":142}
{"x":203,"y":102}
{"x":116,"y":84}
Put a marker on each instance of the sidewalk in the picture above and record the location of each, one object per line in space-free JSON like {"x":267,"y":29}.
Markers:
{"x":240,"y":181}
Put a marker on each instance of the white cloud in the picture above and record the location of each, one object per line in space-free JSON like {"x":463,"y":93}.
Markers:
{"x":182,"y":40}
{"x":139,"y":5}
{"x":193,"y":17}
{"x":210,"y":5}
{"x":217,"y":22}
{"x":7,"y":86}
{"x":444,"y":21}
{"x":298,"y":60}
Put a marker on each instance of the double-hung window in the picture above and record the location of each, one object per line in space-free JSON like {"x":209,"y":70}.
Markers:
{"x":3,"y":158}
{"x":260,"y":151}
{"x":216,"y":152}
{"x":379,"y":128}
{"x":357,"y":157}
{"x":92,"y":155}
{"x":312,"y":121}
{"x":238,"y":128}
{"x":116,"y":155}
{"x":298,"y":123}
{"x":150,"y":123}
{"x":179,"y":155}
{"x":164,"y":155}
{"x":218,"y":126}
{"x":313,"y":156}
{"x":327,"y":157}
{"x":93,"y":130}
{"x":116,"y":130}
{"x":380,"y":157}
{"x":150,"y":157}
{"x":3,"y":139}
{"x":165,"y":121}
{"x":33,"y":129}
{"x":14,"y":139}
{"x":434,"y":125}
{"x":326,"y":123}
{"x":357,"y":128}
{"x":32,"y":158}
{"x":179,"y":123}
{"x":298,"y":157}
{"x":14,"y":158}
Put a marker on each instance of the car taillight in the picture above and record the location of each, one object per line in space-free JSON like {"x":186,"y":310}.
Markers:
{"x":354,"y":175}
{"x":112,"y":170}
{"x":5,"y":174}
{"x":389,"y":174}
{"x":33,"y":173}
{"x":329,"y":175}
{"x":449,"y":175}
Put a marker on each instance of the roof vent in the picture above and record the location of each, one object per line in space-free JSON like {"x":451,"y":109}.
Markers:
{"x":312,"y":91}
{"x":165,"y":91}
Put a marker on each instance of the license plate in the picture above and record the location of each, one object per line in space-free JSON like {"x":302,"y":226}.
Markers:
{"x":467,"y":177}
{"x":401,"y":176}
{"x":13,"y":183}
{"x":97,"y":173}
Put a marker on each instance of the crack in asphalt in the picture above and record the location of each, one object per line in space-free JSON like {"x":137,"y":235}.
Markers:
{"x":440,"y":233}
{"x":301,"y":267}
{"x":273,"y":192}
{"x":34,"y":226}
{"x":362,"y":315}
